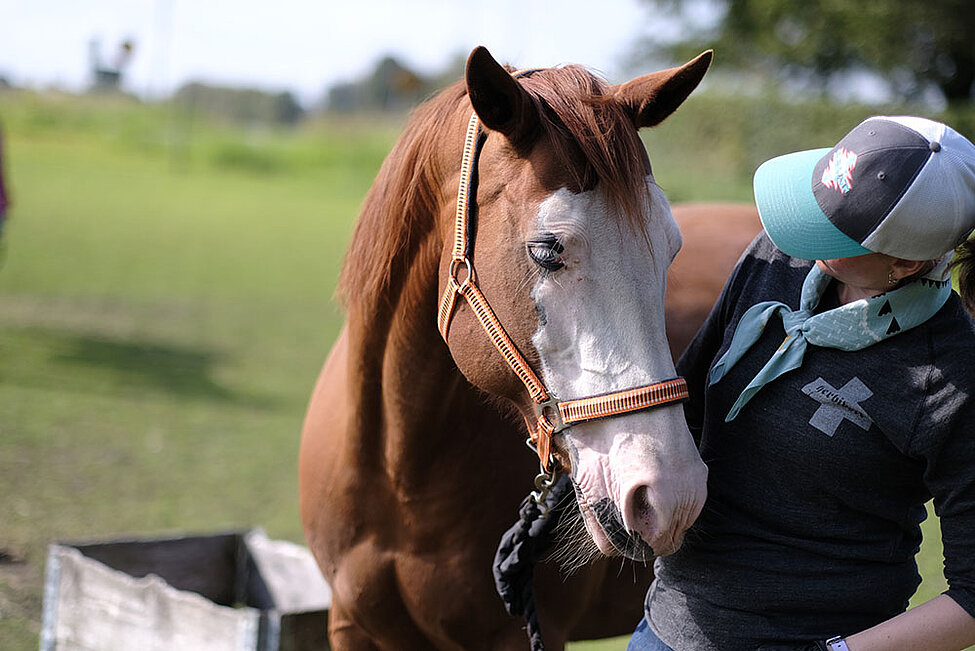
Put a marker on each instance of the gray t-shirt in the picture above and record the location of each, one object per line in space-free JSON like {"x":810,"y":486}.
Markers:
{"x":816,"y":490}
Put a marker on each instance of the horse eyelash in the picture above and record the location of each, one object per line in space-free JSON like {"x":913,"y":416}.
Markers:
{"x":551,"y":248}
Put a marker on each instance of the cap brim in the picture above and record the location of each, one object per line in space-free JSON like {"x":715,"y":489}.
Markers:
{"x":790,"y":213}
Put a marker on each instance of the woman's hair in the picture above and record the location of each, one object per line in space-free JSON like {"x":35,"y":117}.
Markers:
{"x":965,"y":262}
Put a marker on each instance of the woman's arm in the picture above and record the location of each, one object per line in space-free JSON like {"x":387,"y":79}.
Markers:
{"x":936,"y":625}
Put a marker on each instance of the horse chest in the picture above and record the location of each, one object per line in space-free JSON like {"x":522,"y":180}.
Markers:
{"x":421,"y":600}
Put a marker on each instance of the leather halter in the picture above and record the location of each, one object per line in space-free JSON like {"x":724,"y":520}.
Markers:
{"x":553,"y":415}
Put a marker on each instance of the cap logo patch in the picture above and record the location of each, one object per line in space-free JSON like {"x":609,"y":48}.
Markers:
{"x":838,"y":174}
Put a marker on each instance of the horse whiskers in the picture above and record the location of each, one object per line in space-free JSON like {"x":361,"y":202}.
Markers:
{"x":625,"y":563}
{"x":574,"y":548}
{"x":637,"y":551}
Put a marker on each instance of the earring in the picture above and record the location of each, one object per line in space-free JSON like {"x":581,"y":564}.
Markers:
{"x":891,"y":281}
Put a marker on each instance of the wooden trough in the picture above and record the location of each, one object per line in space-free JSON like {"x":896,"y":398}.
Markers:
{"x":237,"y":591}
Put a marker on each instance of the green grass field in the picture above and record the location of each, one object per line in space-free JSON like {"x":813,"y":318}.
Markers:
{"x":166,"y":303}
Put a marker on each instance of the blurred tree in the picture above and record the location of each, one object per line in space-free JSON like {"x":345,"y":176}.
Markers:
{"x":913,"y":45}
{"x":394,"y":86}
{"x":390,"y":87}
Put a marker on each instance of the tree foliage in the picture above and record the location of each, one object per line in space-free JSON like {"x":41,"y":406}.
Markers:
{"x":391,"y":87}
{"x":914,"y":45}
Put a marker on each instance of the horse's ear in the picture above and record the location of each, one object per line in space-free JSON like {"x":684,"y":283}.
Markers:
{"x":499,"y":101}
{"x":651,"y":98}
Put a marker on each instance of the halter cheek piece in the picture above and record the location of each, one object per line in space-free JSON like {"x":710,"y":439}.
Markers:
{"x":552,"y":415}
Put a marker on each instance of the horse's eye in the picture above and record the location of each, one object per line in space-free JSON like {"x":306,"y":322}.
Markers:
{"x":545,"y":253}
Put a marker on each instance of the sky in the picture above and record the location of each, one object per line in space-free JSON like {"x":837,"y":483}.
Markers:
{"x":304,"y":46}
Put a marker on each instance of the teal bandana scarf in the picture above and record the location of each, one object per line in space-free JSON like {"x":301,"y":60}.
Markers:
{"x":852,"y":326}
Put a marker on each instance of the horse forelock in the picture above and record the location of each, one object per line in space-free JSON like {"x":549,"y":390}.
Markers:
{"x":578,"y":117}
{"x":578,"y":111}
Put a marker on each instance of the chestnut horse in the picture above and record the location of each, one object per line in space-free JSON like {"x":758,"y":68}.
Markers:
{"x":412,"y":462}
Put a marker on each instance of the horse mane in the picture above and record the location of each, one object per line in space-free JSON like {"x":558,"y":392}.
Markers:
{"x":578,"y":118}
{"x":402,"y":202}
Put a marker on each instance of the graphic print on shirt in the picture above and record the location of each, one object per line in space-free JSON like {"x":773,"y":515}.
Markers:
{"x":837,"y":405}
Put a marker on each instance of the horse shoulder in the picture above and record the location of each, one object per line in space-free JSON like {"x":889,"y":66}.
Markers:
{"x":323,"y":441}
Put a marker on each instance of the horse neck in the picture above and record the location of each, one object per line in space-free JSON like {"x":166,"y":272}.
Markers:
{"x":414,"y":409}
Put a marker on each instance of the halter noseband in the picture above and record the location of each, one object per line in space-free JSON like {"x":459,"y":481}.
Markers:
{"x":553,"y":415}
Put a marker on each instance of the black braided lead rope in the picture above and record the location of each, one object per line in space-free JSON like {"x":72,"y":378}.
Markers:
{"x":521,"y":547}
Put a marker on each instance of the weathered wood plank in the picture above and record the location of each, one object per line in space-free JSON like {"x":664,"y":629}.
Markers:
{"x":100,"y":608}
{"x":233,"y":592}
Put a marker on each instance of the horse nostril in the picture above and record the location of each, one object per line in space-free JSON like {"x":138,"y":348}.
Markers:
{"x":641,"y":505}
{"x":641,"y":513}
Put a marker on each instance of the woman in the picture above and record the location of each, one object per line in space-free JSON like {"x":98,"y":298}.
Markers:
{"x":831,"y":400}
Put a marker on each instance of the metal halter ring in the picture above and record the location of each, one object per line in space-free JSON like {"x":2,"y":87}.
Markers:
{"x":452,"y":273}
{"x":550,"y":411}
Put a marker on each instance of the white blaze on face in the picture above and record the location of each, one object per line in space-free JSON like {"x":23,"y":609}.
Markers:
{"x":602,"y":330}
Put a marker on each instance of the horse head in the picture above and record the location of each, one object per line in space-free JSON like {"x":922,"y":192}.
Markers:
{"x":569,"y":240}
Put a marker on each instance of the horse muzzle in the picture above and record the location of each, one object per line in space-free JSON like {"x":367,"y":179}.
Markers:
{"x":638,"y":506}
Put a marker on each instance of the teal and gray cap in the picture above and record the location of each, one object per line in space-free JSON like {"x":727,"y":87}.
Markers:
{"x":904,"y":186}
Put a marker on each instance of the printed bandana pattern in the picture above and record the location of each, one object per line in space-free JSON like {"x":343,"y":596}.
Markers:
{"x":852,"y":326}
